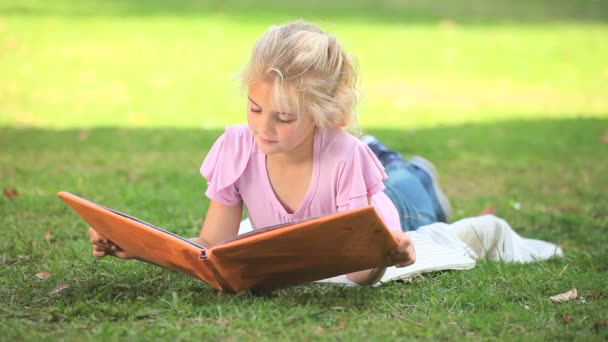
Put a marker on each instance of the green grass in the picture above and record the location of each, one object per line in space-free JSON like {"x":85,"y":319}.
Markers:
{"x":119,"y":102}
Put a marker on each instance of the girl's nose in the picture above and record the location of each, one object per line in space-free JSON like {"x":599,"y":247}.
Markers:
{"x":266,"y":123}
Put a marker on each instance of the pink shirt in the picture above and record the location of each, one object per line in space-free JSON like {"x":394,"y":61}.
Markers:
{"x":345,"y":173}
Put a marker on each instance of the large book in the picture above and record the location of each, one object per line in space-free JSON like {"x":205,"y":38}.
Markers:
{"x":264,"y":259}
{"x":436,"y":250}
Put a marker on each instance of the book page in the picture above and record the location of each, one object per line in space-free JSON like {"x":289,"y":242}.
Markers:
{"x":430,"y":256}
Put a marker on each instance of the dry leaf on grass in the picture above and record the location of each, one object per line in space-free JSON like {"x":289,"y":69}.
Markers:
{"x":489,"y":210}
{"x":60,"y":288}
{"x":604,"y":138}
{"x":566,"y":207}
{"x":596,"y":294}
{"x":569,"y":247}
{"x":600,"y":324}
{"x":83,"y":135}
{"x":10,"y":193}
{"x":568,"y":319}
{"x":341,"y":323}
{"x":42,"y":275}
{"x":47,"y":237}
{"x":564,"y":297}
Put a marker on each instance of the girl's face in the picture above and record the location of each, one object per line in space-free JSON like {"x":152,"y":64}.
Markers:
{"x":276,"y":132}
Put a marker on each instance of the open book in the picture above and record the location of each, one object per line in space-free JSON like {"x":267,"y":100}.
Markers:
{"x":262,"y":260}
{"x":436,"y":250}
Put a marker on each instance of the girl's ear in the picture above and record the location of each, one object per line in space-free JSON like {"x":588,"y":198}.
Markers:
{"x":339,"y":123}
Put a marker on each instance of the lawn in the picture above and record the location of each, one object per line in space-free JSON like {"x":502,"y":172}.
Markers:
{"x":119,"y":101}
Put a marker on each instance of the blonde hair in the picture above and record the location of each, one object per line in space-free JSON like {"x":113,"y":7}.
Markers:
{"x":309,"y":72}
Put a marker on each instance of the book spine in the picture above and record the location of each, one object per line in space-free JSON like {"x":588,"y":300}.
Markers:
{"x":206,"y":257}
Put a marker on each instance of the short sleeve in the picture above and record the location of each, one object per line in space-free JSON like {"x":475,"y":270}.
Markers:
{"x":361,"y":177}
{"x":225,"y":163}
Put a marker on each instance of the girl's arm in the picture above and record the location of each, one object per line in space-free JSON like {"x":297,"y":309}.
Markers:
{"x":367,"y":277}
{"x":402,"y":255}
{"x":221,"y":223}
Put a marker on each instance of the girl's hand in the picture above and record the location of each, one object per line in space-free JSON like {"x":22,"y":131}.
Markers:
{"x":103,"y":247}
{"x":404,"y":254}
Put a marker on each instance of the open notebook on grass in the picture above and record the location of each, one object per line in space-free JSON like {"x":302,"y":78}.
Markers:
{"x":262,"y":260}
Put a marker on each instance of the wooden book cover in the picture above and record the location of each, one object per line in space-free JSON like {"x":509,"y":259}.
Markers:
{"x":263,"y":260}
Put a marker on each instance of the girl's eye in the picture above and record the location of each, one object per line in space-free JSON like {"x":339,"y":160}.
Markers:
{"x":256,"y":110}
{"x":279,"y":120}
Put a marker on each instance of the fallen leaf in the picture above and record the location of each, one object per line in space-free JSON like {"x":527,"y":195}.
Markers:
{"x":83,"y":135}
{"x":42,"y":275}
{"x":60,"y":288}
{"x":47,"y":237}
{"x":604,"y":138}
{"x":566,"y":207}
{"x":564,"y":297}
{"x":10,"y":193}
{"x":568,"y":319}
{"x":341,"y":323}
{"x":600,"y":324}
{"x":570,"y":247}
{"x":595,"y":294}
{"x":489,"y":210}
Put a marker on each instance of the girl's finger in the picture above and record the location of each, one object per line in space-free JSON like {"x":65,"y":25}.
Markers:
{"x":99,"y":254}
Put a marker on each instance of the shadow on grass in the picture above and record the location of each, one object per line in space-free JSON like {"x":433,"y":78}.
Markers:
{"x":417,"y":11}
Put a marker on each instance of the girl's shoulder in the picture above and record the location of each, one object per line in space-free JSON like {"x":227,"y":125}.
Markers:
{"x":236,"y":138}
{"x":340,"y":143}
{"x":229,"y":154}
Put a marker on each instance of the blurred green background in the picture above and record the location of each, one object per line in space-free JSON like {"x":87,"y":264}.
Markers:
{"x":423,"y":63}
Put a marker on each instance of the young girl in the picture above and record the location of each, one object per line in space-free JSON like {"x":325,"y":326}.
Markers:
{"x":294,"y":160}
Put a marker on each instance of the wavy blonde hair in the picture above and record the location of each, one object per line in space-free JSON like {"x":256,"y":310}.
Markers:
{"x":309,"y":72}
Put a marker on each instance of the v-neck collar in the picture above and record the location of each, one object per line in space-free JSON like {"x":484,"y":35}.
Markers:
{"x":312,"y":187}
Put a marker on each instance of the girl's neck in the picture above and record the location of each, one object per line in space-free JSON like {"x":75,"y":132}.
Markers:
{"x":301,"y":154}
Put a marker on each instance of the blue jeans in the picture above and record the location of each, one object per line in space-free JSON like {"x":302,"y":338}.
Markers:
{"x":405,"y":190}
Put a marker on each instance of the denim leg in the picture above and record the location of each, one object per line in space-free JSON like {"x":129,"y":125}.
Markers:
{"x":384,"y":155}
{"x":405,"y":190}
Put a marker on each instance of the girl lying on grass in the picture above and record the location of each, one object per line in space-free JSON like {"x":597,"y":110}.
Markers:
{"x":294,"y":159}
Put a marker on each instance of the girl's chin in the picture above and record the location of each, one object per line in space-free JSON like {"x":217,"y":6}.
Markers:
{"x":268,"y":148}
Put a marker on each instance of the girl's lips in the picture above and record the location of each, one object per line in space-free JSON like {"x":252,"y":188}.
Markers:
{"x":266,"y":141}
